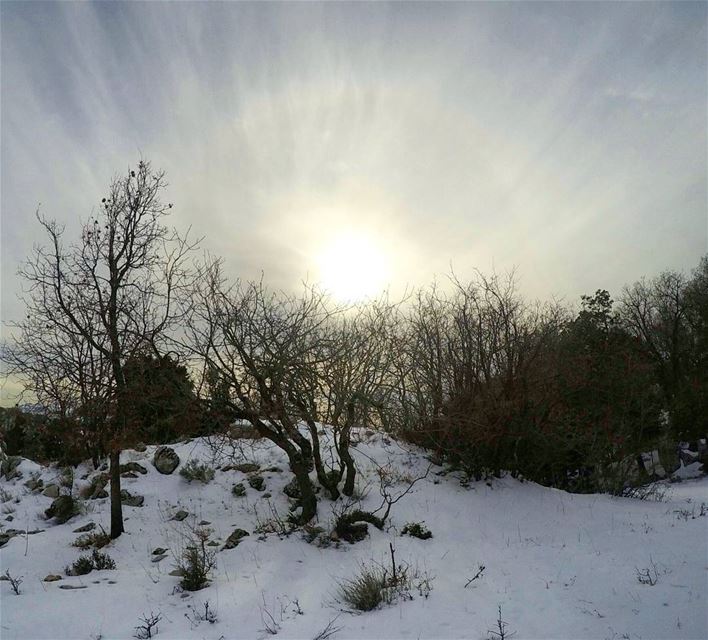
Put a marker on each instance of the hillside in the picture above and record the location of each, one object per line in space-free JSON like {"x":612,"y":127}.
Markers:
{"x":559,"y":565}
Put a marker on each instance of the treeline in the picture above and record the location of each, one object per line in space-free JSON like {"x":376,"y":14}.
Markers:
{"x":127,"y":338}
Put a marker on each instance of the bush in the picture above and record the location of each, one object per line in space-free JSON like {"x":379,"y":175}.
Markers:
{"x":197,"y":562}
{"x":195,"y":470}
{"x":98,"y":540}
{"x":366,"y":591}
{"x":102,"y":561}
{"x":350,"y":526}
{"x":377,"y":584}
{"x":80,"y":567}
{"x":417,"y":530}
{"x":86,"y":564}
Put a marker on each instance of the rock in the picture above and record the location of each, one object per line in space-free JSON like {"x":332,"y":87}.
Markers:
{"x":34,"y":484}
{"x":162,"y":556}
{"x":52,"y":577}
{"x":177,"y":573}
{"x":72,"y":586}
{"x":687,"y":456}
{"x":257,"y":482}
{"x":165,"y":460}
{"x":204,"y":523}
{"x":129,"y":474}
{"x":5,"y":538}
{"x":10,"y":518}
{"x":212,"y":543}
{"x":235,"y":538}
{"x":180,"y":515}
{"x":239,"y":490}
{"x":87,"y":527}
{"x":244,"y":431}
{"x":292,"y":489}
{"x":51,"y":491}
{"x":133,"y":467}
{"x":652,"y":464}
{"x":141,"y":447}
{"x":246,"y":467}
{"x":158,"y":551}
{"x":267,"y":495}
{"x":62,"y":509}
{"x":96,"y":487}
{"x":131,"y":500}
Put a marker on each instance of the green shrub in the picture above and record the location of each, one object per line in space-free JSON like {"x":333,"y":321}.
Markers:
{"x":102,"y":561}
{"x":417,"y":530}
{"x":195,"y":470}
{"x":80,"y":567}
{"x":197,"y":562}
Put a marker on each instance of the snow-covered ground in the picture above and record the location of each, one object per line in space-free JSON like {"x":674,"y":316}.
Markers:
{"x":559,"y":565}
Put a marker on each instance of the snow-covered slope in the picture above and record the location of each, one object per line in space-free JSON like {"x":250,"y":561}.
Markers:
{"x":559,"y":565}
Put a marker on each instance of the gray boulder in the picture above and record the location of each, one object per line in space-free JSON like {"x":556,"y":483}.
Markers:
{"x":62,"y":509}
{"x":165,"y":460}
{"x":239,"y":490}
{"x":235,"y":538}
{"x":257,"y":482}
{"x":180,"y":515}
{"x":51,"y":491}
{"x":130,"y":500}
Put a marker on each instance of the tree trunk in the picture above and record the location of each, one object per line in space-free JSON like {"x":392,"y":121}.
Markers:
{"x":116,"y":506}
{"x":308,"y":499}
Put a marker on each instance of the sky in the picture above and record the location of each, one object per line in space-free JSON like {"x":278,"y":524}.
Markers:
{"x":566,"y":140}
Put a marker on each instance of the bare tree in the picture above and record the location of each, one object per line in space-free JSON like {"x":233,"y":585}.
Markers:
{"x":95,"y":303}
{"x":287,"y":364}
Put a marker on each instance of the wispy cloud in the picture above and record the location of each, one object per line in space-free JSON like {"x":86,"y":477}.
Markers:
{"x":568,"y":139}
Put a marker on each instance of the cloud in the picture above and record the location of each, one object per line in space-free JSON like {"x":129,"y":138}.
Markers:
{"x":569,"y":140}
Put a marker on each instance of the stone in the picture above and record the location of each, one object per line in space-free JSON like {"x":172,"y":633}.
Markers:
{"x":652,"y":464}
{"x":62,"y":509}
{"x":52,"y":577}
{"x":239,"y":490}
{"x":244,"y":431}
{"x":246,"y":467}
{"x":87,"y":527}
{"x":34,"y":484}
{"x":130,"y":500}
{"x":158,"y":551}
{"x":267,"y":495}
{"x":129,"y":474}
{"x":180,"y":515}
{"x":177,"y":573}
{"x":292,"y":489}
{"x":212,"y":543}
{"x":204,"y":523}
{"x":72,"y":586}
{"x":133,"y":467}
{"x":165,"y":460}
{"x":51,"y":491}
{"x":257,"y":482}
{"x":235,"y":538}
{"x":96,"y":487}
{"x":10,"y":518}
{"x":162,"y":556}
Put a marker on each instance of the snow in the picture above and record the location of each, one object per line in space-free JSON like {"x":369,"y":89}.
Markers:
{"x":560,"y":565}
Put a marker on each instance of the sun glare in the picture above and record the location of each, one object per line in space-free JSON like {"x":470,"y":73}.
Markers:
{"x":352,"y":267}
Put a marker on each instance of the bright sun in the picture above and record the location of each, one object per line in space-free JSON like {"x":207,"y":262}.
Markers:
{"x":352,"y":267}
